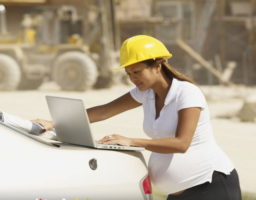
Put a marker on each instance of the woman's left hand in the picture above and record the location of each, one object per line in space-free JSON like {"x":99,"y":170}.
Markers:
{"x":116,"y":139}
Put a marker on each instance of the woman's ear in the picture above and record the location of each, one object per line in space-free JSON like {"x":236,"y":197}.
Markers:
{"x":158,"y":65}
{"x":159,"y":68}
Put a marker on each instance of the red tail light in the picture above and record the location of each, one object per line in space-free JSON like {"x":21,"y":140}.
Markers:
{"x":146,"y":184}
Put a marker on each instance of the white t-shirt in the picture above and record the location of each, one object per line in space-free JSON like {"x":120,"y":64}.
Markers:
{"x":175,"y":172}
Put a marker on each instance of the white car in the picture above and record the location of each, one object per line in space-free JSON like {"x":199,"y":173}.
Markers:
{"x":31,"y":169}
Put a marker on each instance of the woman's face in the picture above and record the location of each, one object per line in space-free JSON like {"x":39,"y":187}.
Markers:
{"x":142,"y":76}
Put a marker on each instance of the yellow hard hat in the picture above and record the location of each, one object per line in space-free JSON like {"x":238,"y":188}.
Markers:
{"x":141,"y":47}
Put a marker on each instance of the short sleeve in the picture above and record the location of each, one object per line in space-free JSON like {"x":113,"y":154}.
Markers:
{"x":190,"y":96}
{"x":138,"y":95}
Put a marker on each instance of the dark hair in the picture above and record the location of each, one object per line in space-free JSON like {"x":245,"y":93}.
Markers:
{"x":167,"y":69}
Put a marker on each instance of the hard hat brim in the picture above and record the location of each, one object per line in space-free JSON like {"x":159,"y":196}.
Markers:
{"x":131,"y":63}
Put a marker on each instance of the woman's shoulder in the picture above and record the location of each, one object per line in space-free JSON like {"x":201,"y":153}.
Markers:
{"x":189,"y":90}
{"x":142,"y":92}
{"x":186,"y":83}
{"x":141,"y":96}
{"x":189,"y":95}
{"x":185,"y":86}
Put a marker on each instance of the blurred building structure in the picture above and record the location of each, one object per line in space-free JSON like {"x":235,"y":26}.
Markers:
{"x":222,"y":31}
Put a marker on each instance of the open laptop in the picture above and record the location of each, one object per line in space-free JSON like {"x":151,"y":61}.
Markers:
{"x":72,"y":124}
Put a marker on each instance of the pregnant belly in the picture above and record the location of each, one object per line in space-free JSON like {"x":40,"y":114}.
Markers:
{"x":171,"y":172}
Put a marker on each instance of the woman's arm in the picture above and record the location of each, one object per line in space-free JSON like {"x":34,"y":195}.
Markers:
{"x":98,"y":113}
{"x":187,"y":123}
{"x":119,"y":105}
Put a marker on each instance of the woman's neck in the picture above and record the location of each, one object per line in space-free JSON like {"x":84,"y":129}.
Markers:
{"x":162,"y":87}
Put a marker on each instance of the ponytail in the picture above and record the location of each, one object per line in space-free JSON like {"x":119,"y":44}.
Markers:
{"x":171,"y":72}
{"x":167,"y":69}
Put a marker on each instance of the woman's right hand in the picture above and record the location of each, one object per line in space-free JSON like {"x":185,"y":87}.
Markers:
{"x":48,"y":125}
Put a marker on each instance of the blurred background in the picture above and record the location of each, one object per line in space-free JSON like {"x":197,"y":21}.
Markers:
{"x":70,"y":48}
{"x":213,"y":41}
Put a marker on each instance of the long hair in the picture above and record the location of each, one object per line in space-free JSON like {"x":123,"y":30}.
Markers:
{"x":167,"y":69}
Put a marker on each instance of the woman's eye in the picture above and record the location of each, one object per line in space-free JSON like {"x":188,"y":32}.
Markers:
{"x":134,"y":72}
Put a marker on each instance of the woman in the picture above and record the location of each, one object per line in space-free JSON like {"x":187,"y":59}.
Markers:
{"x":185,"y":163}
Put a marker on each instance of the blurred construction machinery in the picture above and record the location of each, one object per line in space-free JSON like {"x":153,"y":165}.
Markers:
{"x":48,"y":41}
{"x":75,"y":43}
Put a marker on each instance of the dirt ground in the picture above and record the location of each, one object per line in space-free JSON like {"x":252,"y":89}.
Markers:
{"x":236,"y":138}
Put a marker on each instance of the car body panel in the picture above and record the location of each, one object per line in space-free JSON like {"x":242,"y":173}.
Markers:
{"x":30,"y":169}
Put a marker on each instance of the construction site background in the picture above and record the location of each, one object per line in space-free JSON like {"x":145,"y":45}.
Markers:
{"x":213,"y":42}
{"x":220,"y":33}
